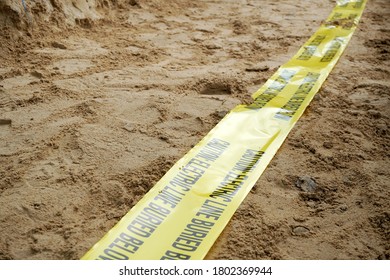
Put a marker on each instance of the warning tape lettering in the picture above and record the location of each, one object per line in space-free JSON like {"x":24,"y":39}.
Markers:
{"x":274,"y":89}
{"x":292,"y":106}
{"x":333,"y":49}
{"x":212,"y":209}
{"x":311,"y":48}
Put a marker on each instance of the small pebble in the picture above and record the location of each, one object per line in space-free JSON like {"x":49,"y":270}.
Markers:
{"x":300,"y":230}
{"x":129,"y":127}
{"x":306,"y":183}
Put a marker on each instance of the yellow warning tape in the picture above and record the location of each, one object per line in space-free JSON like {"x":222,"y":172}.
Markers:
{"x":185,"y":212}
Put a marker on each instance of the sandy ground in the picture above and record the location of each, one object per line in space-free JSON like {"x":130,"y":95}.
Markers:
{"x":105,"y":96}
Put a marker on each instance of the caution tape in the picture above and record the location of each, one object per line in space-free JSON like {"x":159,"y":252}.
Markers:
{"x":184,"y":213}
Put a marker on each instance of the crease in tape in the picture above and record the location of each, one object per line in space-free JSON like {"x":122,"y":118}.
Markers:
{"x":184,"y":213}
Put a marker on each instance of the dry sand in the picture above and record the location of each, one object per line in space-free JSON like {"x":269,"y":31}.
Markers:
{"x":105,"y":96}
